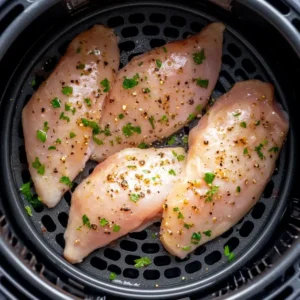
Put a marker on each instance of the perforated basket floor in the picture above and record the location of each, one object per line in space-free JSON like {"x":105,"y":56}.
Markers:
{"x":140,"y":29}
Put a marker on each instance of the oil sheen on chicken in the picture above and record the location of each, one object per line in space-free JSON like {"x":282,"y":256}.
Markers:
{"x":160,"y":91}
{"x":125,"y":193}
{"x":59,"y":119}
{"x":232,"y":156}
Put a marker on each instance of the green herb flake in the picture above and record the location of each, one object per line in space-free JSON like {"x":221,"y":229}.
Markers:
{"x":67,"y":90}
{"x":33,"y":82}
{"x":172,"y":141}
{"x":142,"y":145}
{"x":129,"y":83}
{"x":158,"y":63}
{"x":196,"y":237}
{"x":236,"y":114}
{"x":91,"y":124}
{"x":52,"y":148}
{"x":55,"y":103}
{"x":238,"y":189}
{"x":199,"y":108}
{"x":38,"y":166}
{"x":274,"y":149}
{"x":213,"y":190}
{"x":226,"y":250}
{"x":209,"y":178}
{"x":257,"y":123}
{"x":185,"y":139}
{"x":146,"y":91}
{"x":80,"y":66}
{"x":121,"y":116}
{"x":26,"y":192}
{"x":243,"y":125}
{"x":165,"y":49}
{"x":230,"y":255}
{"x":78,"y":50}
{"x":188,"y":226}
{"x":246,"y":151}
{"x":142,"y":262}
{"x":103,"y":222}
{"x":153,"y":235}
{"x":174,"y":153}
{"x":134,"y":197}
{"x":112,"y":276}
{"x":63,"y":117}
{"x":41,"y":135}
{"x":28,"y":210}
{"x":172,"y":172}
{"x":202,"y":82}
{"x":118,"y":139}
{"x":164,"y":118}
{"x":180,"y":215}
{"x":180,"y":157}
{"x":176,"y":209}
{"x":72,"y":135}
{"x":207,"y":233}
{"x":88,"y":101}
{"x":97,"y":141}
{"x":66,"y":180}
{"x":151,"y":121}
{"x":116,"y":228}
{"x":106,"y":85}
{"x":67,"y":107}
{"x":129,"y":129}
{"x":140,"y":64}
{"x":186,"y":248}
{"x":199,"y":57}
{"x":191,"y":117}
{"x":259,"y":152}
{"x":58,"y":141}
{"x":86,"y":221}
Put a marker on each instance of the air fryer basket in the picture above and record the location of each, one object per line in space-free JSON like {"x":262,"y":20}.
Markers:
{"x":140,"y":27}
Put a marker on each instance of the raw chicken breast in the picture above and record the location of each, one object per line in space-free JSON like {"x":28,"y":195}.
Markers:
{"x":159,"y":92}
{"x":59,"y":119}
{"x":124,"y":193}
{"x":232,"y":156}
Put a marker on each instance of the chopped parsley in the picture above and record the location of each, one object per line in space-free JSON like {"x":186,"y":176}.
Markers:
{"x":209,"y":178}
{"x":191,"y":117}
{"x":165,"y":49}
{"x":202,"y":82}
{"x":106,"y":85}
{"x":243,"y":125}
{"x":257,"y":123}
{"x":199,"y":57}
{"x":42,"y":134}
{"x":103,"y":222}
{"x":28,"y":210}
{"x":258,"y":150}
{"x":207,"y":233}
{"x":172,"y":141}
{"x":180,"y":157}
{"x":158,"y":63}
{"x":33,"y":82}
{"x":116,"y":228}
{"x":172,"y":172}
{"x":66,"y":180}
{"x":129,"y":83}
{"x":134,"y":197}
{"x":186,"y":248}
{"x":237,"y":114}
{"x":274,"y":149}
{"x":91,"y":124}
{"x":199,"y":108}
{"x":141,"y":63}
{"x":118,"y":139}
{"x":196,"y":237}
{"x":129,"y":130}
{"x":121,"y":116}
{"x":142,"y":262}
{"x":67,"y":90}
{"x":180,"y":215}
{"x":78,"y":50}
{"x":52,"y":148}
{"x":228,"y":254}
{"x":63,"y":117}
{"x":72,"y":135}
{"x":185,"y":139}
{"x":174,"y":153}
{"x":151,"y":121}
{"x":86,"y":221}
{"x":238,"y":189}
{"x":40,"y":168}
{"x":188,"y":226}
{"x":146,"y":91}
{"x":67,"y":107}
{"x":213,"y":190}
{"x":246,"y":151}
{"x":80,"y":66}
{"x":164,"y":118}
{"x":88,"y":101}
{"x":58,"y":141}
{"x":55,"y":103}
{"x":176,"y":209}
{"x":142,"y":145}
{"x":26,"y":192}
{"x":112,"y":276}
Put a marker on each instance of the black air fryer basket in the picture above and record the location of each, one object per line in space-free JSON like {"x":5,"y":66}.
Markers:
{"x":262,"y":41}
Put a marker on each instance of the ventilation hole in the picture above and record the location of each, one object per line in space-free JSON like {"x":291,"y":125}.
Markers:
{"x":157,"y":224}
{"x":246,"y":229}
{"x":213,"y":258}
{"x":258,"y":210}
{"x":112,"y":254}
{"x":128,"y":245}
{"x":280,"y":6}
{"x":220,"y":88}
{"x":151,"y":274}
{"x":151,"y":30}
{"x":132,"y":55}
{"x":186,"y":34}
{"x":63,"y":219}
{"x":157,"y":43}
{"x":248,"y":65}
{"x":171,"y":32}
{"x":178,"y":21}
{"x":234,"y":50}
{"x":50,"y":64}
{"x":200,"y":250}
{"x":296,"y":23}
{"x":162,"y":260}
{"x":226,"y":234}
{"x":20,"y":131}
{"x":115,"y":269}
{"x":269,"y":189}
{"x":240,"y":75}
{"x":115,"y":21}
{"x":172,"y":273}
{"x":258,"y":77}
{"x":91,"y":171}
{"x":196,"y":27}
{"x":157,"y":18}
{"x":232,"y":243}
{"x":284,"y":294}
{"x":150,"y":248}
{"x":129,"y":259}
{"x":48,"y":223}
{"x":38,"y":208}
{"x":63,"y":47}
{"x":60,"y":240}
{"x":131,"y":273}
{"x":228,"y":61}
{"x":186,"y":130}
{"x":227,"y":77}
{"x":26,"y":176}
{"x":22,"y":155}
{"x":98,"y":263}
{"x":130,"y":32}
{"x":68,"y":197}
{"x":139,"y":235}
{"x":74,"y":186}
{"x":179,"y":260}
{"x":193,"y":267}
{"x":136,"y":18}
{"x":10,"y":17}
{"x":126,"y":46}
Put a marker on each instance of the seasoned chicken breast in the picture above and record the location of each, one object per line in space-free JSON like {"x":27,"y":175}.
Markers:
{"x":59,"y":120}
{"x":125,"y":193}
{"x":159,"y":92}
{"x":232,"y":156}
